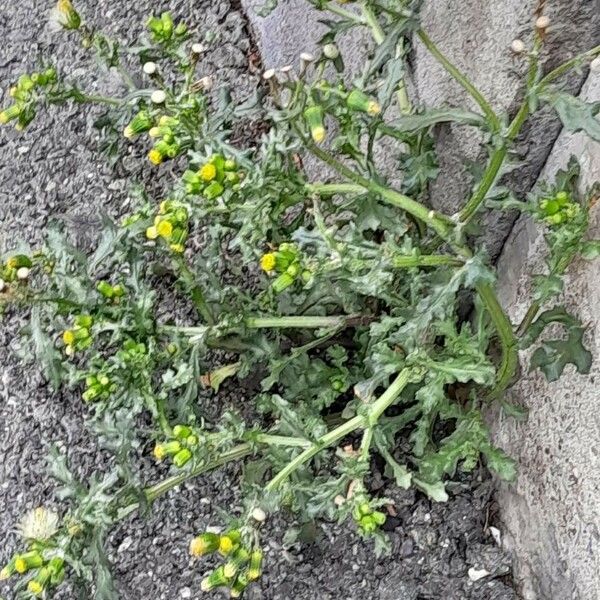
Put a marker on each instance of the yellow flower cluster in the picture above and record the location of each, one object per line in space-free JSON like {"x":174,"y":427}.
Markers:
{"x":171,"y":224}
{"x":180,"y":448}
{"x":287,"y":262}
{"x":244,"y":564}
{"x":25,"y":96}
{"x":213,"y":177}
{"x":78,"y":337}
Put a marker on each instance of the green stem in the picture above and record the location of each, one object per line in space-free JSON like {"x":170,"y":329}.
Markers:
{"x":427,"y":260}
{"x":156,"y":491}
{"x":100,"y":100}
{"x":568,"y":65}
{"x":510,"y":356}
{"x":528,"y":318}
{"x":358,"y":422}
{"x":295,"y":322}
{"x":195,"y":291}
{"x":279,"y":440}
{"x":342,"y":12}
{"x":462,"y":80}
{"x":437,"y":222}
{"x":493,"y":169}
{"x":300,"y":322}
{"x":371,"y":20}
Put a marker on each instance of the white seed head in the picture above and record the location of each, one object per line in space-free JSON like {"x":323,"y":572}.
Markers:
{"x":150,"y":68}
{"x":269,"y":74}
{"x":198,"y":48}
{"x":22,"y":273}
{"x":286,"y":68}
{"x":331,"y":51}
{"x":595,"y":65}
{"x":205,"y":83}
{"x":542,"y":22}
{"x":339,"y":500}
{"x":38,"y":524}
{"x":158,"y":97}
{"x":258,"y":514}
{"x":518,"y":46}
{"x":307,"y":57}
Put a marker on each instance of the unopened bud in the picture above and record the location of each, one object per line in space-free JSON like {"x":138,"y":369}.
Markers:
{"x":330,"y":51}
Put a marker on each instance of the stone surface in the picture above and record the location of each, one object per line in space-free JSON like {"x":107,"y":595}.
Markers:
{"x":477,"y":39}
{"x":552,"y":514}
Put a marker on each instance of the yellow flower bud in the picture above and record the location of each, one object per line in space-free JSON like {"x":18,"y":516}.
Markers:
{"x":68,"y":337}
{"x":152,"y":233}
{"x":35,"y":587}
{"x":267,"y":262}
{"x":164,"y":229}
{"x":155,"y":157}
{"x":159,"y":452}
{"x":208,"y":172}
{"x":225,"y":545}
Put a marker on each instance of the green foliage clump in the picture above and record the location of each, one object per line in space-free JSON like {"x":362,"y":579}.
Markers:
{"x":343,"y":298}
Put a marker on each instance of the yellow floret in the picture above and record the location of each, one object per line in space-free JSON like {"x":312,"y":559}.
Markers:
{"x":267,"y":262}
{"x":35,"y":587}
{"x":68,"y":337}
{"x":152,"y":233}
{"x":208,"y":172}
{"x":164,"y":229}
{"x":159,"y":452}
{"x":318,"y":134}
{"x":155,"y":157}
{"x":225,"y":545}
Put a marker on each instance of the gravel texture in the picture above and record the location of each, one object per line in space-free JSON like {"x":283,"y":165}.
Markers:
{"x":54,"y":171}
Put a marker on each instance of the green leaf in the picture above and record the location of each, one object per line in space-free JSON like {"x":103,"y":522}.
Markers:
{"x":553,"y":356}
{"x":498,"y":461}
{"x":577,"y":115}
{"x":435,"y":491}
{"x":393,"y":468}
{"x":590,"y":249}
{"x":429,"y":118}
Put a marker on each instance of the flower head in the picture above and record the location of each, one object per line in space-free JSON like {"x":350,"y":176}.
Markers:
{"x":38,"y":524}
{"x":268,"y":261}
{"x":208,"y":172}
{"x":66,"y":15}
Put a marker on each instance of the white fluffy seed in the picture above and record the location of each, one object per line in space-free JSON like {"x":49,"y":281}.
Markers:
{"x":259,"y":515}
{"x":150,"y":68}
{"x":518,"y":46}
{"x":206,"y":83}
{"x":307,"y":57}
{"x":22,"y":273}
{"x":286,"y":69}
{"x":2,"y":285}
{"x":158,"y":97}
{"x":269,"y":74}
{"x":477,"y":574}
{"x":542,"y":22}
{"x":198,"y":48}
